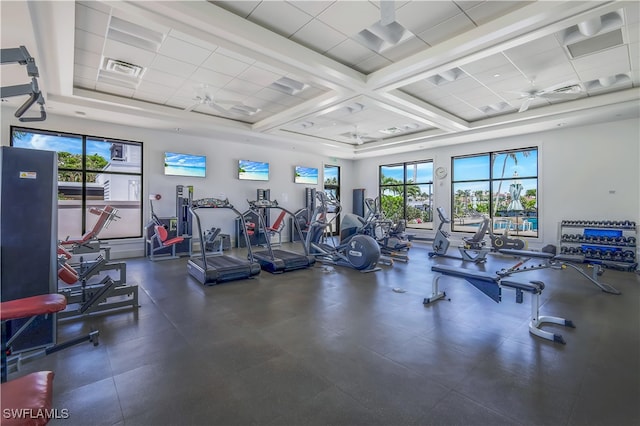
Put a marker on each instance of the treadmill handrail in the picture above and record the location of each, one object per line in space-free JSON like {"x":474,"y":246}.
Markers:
{"x":229,"y":206}
{"x":263,"y":226}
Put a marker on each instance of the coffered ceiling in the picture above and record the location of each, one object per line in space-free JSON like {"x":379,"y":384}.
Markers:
{"x":345,"y":78}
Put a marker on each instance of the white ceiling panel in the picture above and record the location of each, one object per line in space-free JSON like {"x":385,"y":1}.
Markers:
{"x":489,"y":10}
{"x":350,"y":17}
{"x":212,"y":78}
{"x":84,"y":57}
{"x":89,"y":42}
{"x":350,"y":52}
{"x":280,"y":17}
{"x":311,"y":7}
{"x":183,"y":51}
{"x":204,"y":44}
{"x":199,"y":51}
{"x":448,"y":29}
{"x":84,"y":72}
{"x":163,"y":78}
{"x":259,"y":75}
{"x":91,"y":20}
{"x":240,"y":8}
{"x":318,"y":36}
{"x":172,"y":66}
{"x":372,"y":63}
{"x":224,"y":64}
{"x":114,"y":90}
{"x":419,"y":16}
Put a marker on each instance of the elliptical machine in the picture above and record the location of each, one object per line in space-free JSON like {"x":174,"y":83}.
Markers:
{"x":391,"y":237}
{"x":473,"y":250}
{"x":357,"y":251}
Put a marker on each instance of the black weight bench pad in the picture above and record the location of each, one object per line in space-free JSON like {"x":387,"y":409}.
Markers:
{"x":483,"y":281}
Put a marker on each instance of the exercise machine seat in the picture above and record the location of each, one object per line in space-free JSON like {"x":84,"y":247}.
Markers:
{"x":31,"y":306}
{"x":278,"y":226}
{"x":30,"y":395}
{"x":163,"y":235}
{"x":104,"y":217}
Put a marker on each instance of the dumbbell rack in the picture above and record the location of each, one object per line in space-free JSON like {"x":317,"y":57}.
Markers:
{"x":605,"y":242}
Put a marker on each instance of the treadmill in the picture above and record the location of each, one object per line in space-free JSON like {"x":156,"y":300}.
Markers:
{"x":276,"y":260}
{"x":219,"y":268}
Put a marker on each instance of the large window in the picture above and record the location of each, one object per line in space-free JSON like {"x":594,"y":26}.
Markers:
{"x":406,"y":192}
{"x":92,"y":172}
{"x":500,"y":185}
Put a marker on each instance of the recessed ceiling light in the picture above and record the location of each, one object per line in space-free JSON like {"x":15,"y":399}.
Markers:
{"x":496,"y":75}
{"x":81,"y":113}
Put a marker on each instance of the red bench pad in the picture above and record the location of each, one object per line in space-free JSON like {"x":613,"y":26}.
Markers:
{"x":31,"y":306}
{"x":30,"y":394}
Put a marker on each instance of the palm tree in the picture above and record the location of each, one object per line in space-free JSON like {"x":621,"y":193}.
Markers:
{"x":508,"y":155}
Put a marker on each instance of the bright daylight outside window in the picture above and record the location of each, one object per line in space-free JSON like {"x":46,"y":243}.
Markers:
{"x":500,"y":185}
{"x":405,"y":193}
{"x":92,"y":172}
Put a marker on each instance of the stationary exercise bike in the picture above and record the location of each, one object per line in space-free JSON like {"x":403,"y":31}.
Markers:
{"x":499,"y":242}
{"x":473,"y":250}
{"x":354,"y":250}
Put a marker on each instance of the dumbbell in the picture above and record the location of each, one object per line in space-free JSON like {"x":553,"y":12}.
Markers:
{"x":631,"y":241}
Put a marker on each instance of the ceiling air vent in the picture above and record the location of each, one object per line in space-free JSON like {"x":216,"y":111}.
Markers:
{"x":595,"y":44}
{"x":120,"y":73}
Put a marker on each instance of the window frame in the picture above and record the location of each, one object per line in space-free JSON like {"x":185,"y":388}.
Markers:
{"x":84,"y":171}
{"x":492,"y":180}
{"x":403,"y":190}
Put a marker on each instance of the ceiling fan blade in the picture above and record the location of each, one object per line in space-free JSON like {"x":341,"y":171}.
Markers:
{"x":525,"y":104}
{"x":194,"y":106}
{"x":217,"y":107}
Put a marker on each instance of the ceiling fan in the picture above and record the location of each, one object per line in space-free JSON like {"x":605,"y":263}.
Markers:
{"x":204,"y":97}
{"x":563,"y":91}
{"x":357,"y":136}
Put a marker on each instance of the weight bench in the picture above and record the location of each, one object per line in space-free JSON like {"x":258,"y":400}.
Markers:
{"x":28,"y":400}
{"x":491,"y":285}
{"x":558,"y":261}
{"x":32,"y":307}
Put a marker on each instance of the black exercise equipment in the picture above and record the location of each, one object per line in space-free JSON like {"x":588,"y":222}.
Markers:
{"x":278,"y":260}
{"x":473,"y":248}
{"x":354,"y":250}
{"x":391,"y":237}
{"x":492,"y":285}
{"x":551,"y":260}
{"x":504,"y":241}
{"x":219,"y":268}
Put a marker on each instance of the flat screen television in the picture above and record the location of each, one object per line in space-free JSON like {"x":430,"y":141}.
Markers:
{"x":308,"y":175}
{"x":253,"y":170}
{"x":176,"y":164}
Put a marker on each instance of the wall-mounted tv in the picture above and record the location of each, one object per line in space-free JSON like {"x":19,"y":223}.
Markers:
{"x":308,"y":175}
{"x":176,"y":164}
{"x":253,"y":170}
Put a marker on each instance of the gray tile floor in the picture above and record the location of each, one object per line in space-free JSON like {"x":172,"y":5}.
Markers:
{"x":332,"y":346}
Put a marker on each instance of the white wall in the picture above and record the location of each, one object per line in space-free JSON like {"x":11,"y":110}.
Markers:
{"x":589,"y":172}
{"x":222,"y":173}
{"x":578,"y":167}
